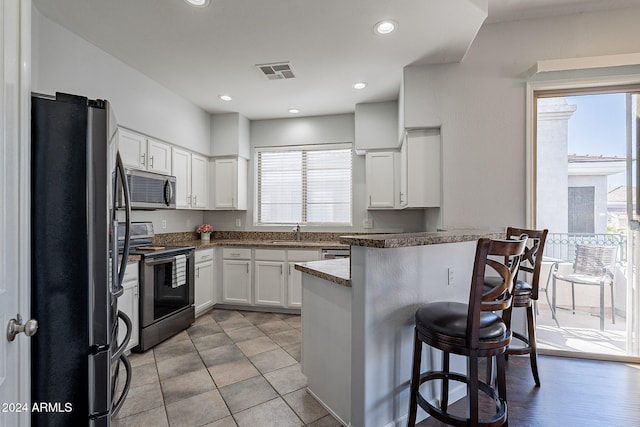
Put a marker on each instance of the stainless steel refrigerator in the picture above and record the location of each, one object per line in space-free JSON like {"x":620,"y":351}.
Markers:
{"x":76,"y":172}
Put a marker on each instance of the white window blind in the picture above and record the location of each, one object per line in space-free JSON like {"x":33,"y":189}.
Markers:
{"x":306,"y":185}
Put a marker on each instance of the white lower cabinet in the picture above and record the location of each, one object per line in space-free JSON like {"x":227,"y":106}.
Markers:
{"x":128,"y":304}
{"x":264,"y":278}
{"x":294,"y":294}
{"x":236,"y":276}
{"x":205,"y":291}
{"x":270,"y":277}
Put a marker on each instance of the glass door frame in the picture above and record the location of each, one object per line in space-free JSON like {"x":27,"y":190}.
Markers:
{"x":548,"y":86}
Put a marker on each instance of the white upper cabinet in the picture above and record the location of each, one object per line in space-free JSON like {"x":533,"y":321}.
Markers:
{"x":230,"y":184}
{"x":199,"y":182}
{"x":190,"y":170}
{"x":181,"y":160}
{"x":381,"y":180}
{"x":133,"y":149}
{"x":420,"y":174}
{"x":158,"y":157}
{"x":140,"y":152}
{"x":376,"y":126}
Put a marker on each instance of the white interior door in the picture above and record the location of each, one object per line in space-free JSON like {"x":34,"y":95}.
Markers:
{"x":15,"y":18}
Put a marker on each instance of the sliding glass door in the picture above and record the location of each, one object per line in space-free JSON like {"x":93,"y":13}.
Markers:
{"x":586,"y":184}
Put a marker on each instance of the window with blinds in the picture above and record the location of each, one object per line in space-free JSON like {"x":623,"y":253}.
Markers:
{"x":306,"y":185}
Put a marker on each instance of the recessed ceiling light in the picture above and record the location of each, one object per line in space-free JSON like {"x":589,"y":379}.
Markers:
{"x":198,"y":3}
{"x":225,"y":97}
{"x":294,"y":110}
{"x":385,"y":27}
{"x":360,"y":85}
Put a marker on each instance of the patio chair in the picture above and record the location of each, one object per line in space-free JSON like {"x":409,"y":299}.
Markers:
{"x":595,"y":266}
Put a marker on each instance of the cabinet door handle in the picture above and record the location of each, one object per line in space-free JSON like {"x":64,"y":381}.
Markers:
{"x":281,"y":269}
{"x":247,"y":267}
{"x":143,"y":157}
{"x":195,"y":200}
{"x":151,"y":161}
{"x":369,"y":200}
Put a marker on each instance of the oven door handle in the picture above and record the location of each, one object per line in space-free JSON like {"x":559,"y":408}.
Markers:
{"x":156,"y":261}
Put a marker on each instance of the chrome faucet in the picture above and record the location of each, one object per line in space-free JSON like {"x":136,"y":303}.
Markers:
{"x":296,"y":230}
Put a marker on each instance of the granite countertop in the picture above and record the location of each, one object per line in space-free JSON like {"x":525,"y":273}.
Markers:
{"x":265,"y":244}
{"x":419,"y":239}
{"x":267,"y":240}
{"x":333,"y":270}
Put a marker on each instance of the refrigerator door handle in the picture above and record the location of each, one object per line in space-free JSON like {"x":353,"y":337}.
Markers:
{"x":120,"y":350}
{"x":120,"y":172}
{"x":117,"y":404}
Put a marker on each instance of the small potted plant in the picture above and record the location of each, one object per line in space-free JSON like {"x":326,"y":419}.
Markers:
{"x":205,"y":231}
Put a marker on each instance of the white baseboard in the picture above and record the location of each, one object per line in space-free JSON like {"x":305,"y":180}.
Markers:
{"x":455,"y":394}
{"x":333,"y":414}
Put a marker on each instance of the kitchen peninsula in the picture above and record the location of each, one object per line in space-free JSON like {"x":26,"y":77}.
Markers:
{"x":357,"y":331}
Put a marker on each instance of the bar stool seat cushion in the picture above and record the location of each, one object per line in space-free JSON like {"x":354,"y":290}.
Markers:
{"x":450,"y":318}
{"x":522,"y":288}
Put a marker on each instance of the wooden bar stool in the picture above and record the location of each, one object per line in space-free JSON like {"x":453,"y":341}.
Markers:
{"x":472,"y":330}
{"x":526,"y":292}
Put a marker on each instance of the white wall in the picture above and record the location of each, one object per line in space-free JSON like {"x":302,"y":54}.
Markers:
{"x":64,"y":62}
{"x":481,"y":106}
{"x":175,"y":220}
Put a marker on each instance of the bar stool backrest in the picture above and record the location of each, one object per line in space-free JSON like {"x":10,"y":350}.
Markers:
{"x":492,"y":256}
{"x":531,"y":261}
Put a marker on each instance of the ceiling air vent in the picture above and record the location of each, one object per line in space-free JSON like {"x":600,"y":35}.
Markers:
{"x":276,"y":70}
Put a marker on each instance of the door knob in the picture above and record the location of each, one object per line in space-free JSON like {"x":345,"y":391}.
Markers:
{"x":15,"y":327}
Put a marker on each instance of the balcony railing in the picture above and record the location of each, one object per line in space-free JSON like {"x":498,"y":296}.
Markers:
{"x":563,"y":245}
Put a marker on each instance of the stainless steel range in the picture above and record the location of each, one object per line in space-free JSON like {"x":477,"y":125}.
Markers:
{"x":166,"y":286}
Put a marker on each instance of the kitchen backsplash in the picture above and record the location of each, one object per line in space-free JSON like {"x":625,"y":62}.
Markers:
{"x":173,"y":238}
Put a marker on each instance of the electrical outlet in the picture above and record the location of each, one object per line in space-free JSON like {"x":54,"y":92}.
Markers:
{"x":164,"y":224}
{"x":238,"y":222}
{"x":367,"y":223}
{"x":452,"y":275}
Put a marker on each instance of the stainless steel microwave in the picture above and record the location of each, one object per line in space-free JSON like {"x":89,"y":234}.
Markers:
{"x":150,"y":190}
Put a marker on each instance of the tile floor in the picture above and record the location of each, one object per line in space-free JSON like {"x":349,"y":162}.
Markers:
{"x":230,"y":368}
